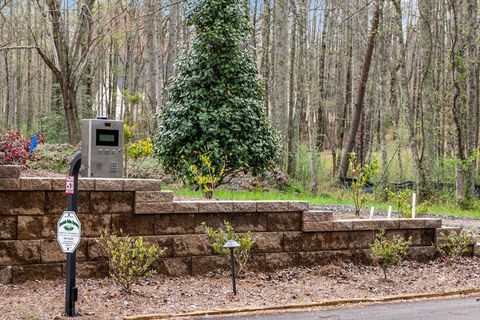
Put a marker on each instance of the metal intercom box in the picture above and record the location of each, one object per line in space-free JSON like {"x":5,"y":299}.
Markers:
{"x":102,"y":148}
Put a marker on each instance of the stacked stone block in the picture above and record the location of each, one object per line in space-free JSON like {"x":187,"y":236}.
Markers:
{"x":287,"y":233}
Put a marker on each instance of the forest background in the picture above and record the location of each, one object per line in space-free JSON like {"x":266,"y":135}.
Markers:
{"x":393,"y":80}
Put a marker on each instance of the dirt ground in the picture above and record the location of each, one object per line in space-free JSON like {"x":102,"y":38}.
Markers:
{"x":103,"y":299}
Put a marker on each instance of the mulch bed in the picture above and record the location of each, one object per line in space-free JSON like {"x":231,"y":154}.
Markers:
{"x":103,"y":299}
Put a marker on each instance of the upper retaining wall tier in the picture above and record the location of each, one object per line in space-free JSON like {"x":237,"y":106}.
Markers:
{"x":287,"y":232}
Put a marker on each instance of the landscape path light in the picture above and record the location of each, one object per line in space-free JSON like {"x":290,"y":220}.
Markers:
{"x":232,"y":244}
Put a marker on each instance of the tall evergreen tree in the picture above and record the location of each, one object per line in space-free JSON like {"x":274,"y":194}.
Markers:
{"x":215,"y":102}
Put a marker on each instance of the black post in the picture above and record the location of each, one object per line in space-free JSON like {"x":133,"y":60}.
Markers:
{"x":71,"y":293}
{"x":232,"y":258}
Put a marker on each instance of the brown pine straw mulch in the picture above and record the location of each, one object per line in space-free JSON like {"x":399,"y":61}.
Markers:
{"x":103,"y":299}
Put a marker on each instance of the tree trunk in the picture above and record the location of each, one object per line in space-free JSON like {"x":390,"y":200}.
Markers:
{"x":358,"y":108}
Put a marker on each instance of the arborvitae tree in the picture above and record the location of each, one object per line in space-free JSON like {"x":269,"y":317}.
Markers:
{"x":214,"y":104}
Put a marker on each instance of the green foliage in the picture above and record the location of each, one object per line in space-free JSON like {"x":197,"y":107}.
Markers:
{"x":141,"y":149}
{"x":215,"y":102}
{"x":361,"y":175}
{"x":129,"y":259}
{"x":454,"y":244}
{"x":53,"y":157}
{"x":53,"y":123}
{"x":225,"y":233}
{"x":137,"y":151}
{"x":402,"y":202}
{"x":387,"y":253}
{"x":206,"y":177}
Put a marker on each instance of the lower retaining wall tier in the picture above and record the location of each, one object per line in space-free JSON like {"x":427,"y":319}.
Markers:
{"x":287,"y":233}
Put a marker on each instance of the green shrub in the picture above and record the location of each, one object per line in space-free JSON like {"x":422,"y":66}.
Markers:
{"x":206,"y":176}
{"x":225,"y":233}
{"x":361,"y":175}
{"x":387,"y":253}
{"x":402,"y":202}
{"x":129,"y":259}
{"x":53,"y":157}
{"x":454,"y":244}
{"x":214,"y":104}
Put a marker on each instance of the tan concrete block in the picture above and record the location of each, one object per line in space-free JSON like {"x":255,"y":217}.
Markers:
{"x":191,"y":245}
{"x":361,"y":256}
{"x":10,"y":171}
{"x":174,"y":224}
{"x":215,"y":206}
{"x":37,"y":227}
{"x":432,"y":223}
{"x":245,"y":206}
{"x":284,"y":221}
{"x":56,"y":202}
{"x":445,"y":231}
{"x":389,"y":224}
{"x":364,"y":224}
{"x":36,"y":272}
{"x":8,"y":228}
{"x":298,"y":206}
{"x":317,"y":226}
{"x":22,"y":202}
{"x":94,"y":224}
{"x":338,"y":240}
{"x":14,"y":252}
{"x":142,"y":185}
{"x":58,"y":184}
{"x":9,"y":184}
{"x":6,"y":275}
{"x":205,"y":264}
{"x":163,"y":242}
{"x":281,"y":260}
{"x":272,"y":206}
{"x":297,"y":240}
{"x":112,"y":202}
{"x":108,"y":184}
{"x":153,"y":196}
{"x":86,"y":184}
{"x":213,"y":220}
{"x":153,"y":207}
{"x":185,"y":207}
{"x":412,"y":223}
{"x":95,"y":251}
{"x":317,"y":221}
{"x":90,"y":270}
{"x":249,"y":221}
{"x":422,"y":254}
{"x":256,"y":262}
{"x":34,"y":183}
{"x":176,"y":267}
{"x":361,"y":239}
{"x":50,"y":251}
{"x":268,"y":242}
{"x":342,"y":225}
{"x":133,"y":225}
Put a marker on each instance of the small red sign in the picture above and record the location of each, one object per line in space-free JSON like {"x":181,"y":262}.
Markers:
{"x":70,"y":185}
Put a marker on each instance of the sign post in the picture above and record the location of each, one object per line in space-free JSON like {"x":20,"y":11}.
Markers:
{"x":68,"y":235}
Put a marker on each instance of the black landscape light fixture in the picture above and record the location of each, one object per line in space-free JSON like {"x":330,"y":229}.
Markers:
{"x":232,"y":244}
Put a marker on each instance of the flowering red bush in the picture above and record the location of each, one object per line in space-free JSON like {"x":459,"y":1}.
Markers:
{"x":14,"y":148}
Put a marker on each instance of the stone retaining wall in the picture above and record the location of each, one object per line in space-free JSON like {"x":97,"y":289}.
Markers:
{"x":287,"y":232}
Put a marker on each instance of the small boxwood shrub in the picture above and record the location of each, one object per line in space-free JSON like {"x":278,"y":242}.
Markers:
{"x":387,"y":253}
{"x":129,"y":258}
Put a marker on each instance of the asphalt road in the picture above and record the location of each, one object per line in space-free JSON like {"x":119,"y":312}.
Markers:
{"x":446,"y":309}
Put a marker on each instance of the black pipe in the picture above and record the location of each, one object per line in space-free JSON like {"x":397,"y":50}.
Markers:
{"x":71,"y":293}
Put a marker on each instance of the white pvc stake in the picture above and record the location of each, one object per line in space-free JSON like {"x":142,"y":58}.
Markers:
{"x":371,"y":212}
{"x":414,"y":203}
{"x":389,"y":215}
